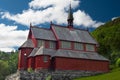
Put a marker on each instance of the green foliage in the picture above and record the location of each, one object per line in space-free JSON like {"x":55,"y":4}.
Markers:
{"x":8,"y":63}
{"x":30,"y":70}
{"x":113,"y":75}
{"x":49,"y":77}
{"x":4,"y":69}
{"x":118,"y":62}
{"x":108,"y":37}
{"x":13,"y":62}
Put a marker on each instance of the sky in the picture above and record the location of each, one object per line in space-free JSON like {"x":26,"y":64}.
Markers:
{"x":16,"y":16}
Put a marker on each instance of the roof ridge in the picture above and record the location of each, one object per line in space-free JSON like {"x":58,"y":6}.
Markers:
{"x":68,"y":28}
{"x":40,"y":28}
{"x":59,"y":25}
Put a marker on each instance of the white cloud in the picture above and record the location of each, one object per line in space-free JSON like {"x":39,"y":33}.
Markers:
{"x":55,"y":13}
{"x":60,"y":4}
{"x":81,"y":18}
{"x":114,"y":18}
{"x":10,"y":37}
{"x":41,"y":11}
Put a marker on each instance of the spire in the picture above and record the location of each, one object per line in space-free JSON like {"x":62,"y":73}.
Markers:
{"x":30,"y":25}
{"x":70,"y":18}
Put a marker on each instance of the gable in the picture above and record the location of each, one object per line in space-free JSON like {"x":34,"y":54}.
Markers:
{"x":73,"y":35}
{"x":28,"y":44}
{"x":40,"y":33}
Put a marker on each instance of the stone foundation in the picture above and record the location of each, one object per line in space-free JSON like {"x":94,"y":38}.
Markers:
{"x":43,"y":74}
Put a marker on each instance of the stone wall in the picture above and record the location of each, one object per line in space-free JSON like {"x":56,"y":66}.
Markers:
{"x":43,"y":75}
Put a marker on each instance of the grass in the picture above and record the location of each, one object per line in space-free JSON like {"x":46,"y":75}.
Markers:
{"x":112,"y":75}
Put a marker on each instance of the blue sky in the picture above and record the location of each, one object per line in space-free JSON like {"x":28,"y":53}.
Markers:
{"x":16,"y":15}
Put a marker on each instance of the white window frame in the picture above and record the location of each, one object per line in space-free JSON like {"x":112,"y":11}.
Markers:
{"x":90,"y":47}
{"x":45,"y":58}
{"x":52,"y":44}
{"x":65,"y":44}
{"x":40,"y":43}
{"x":78,"y":46}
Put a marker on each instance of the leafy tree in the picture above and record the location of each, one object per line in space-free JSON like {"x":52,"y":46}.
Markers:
{"x":4,"y":69}
{"x":8,"y":63}
{"x":108,"y":37}
{"x":13,"y":62}
{"x":118,"y":62}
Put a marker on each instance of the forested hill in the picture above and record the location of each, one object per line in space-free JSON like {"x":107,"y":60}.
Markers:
{"x":8,"y":63}
{"x":108,"y":37}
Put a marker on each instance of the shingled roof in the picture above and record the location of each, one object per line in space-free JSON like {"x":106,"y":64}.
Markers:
{"x":32,"y":54}
{"x":67,"y":53}
{"x":45,"y":51}
{"x":79,"y":54}
{"x":28,"y":43}
{"x":41,"y":33}
{"x":76,"y":35}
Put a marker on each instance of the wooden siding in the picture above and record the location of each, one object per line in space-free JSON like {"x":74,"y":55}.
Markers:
{"x":31,"y":62}
{"x":22,"y":63}
{"x":40,"y":64}
{"x":81,"y":64}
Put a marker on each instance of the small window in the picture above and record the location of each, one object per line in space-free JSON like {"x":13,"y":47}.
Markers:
{"x":90,"y":47}
{"x":52,"y":44}
{"x":65,"y":44}
{"x":45,"y":59}
{"x":78,"y":46}
{"x":40,"y":43}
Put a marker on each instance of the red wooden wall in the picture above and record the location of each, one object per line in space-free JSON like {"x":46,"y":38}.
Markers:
{"x":40,"y":64}
{"x":31,"y":62}
{"x":22,"y":61}
{"x":81,"y":64}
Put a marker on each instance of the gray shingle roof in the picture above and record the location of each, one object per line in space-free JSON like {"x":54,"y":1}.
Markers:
{"x":28,"y":43}
{"x":45,"y":51}
{"x":32,"y":54}
{"x":40,"y":33}
{"x":79,"y":54}
{"x":68,"y":54}
{"x":74,"y":35}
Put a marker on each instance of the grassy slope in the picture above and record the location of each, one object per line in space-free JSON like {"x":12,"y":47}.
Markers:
{"x":113,"y":75}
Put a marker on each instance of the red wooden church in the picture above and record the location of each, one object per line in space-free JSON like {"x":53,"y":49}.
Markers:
{"x":61,"y":48}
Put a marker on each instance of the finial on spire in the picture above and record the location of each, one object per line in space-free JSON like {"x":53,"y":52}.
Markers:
{"x":51,"y":22}
{"x":30,"y":24}
{"x":70,"y":17}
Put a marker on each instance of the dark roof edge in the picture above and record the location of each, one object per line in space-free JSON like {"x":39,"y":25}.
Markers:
{"x":80,"y":58}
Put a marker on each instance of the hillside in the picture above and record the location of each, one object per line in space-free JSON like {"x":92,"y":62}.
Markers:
{"x":113,"y":75}
{"x":108,"y":37}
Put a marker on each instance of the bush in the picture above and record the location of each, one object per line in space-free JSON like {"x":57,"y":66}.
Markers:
{"x":118,"y":62}
{"x":30,"y":70}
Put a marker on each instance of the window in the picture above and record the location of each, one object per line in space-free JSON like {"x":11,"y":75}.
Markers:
{"x":45,"y":58}
{"x":40,"y":43}
{"x":65,"y":44}
{"x":90,"y":47}
{"x":78,"y":46}
{"x":52,"y":44}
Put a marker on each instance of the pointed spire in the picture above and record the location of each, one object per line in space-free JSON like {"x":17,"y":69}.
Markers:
{"x":70,"y":18}
{"x":70,"y":14}
{"x":30,"y":24}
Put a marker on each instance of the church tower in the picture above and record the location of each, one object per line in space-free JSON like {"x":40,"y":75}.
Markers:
{"x":70,"y":18}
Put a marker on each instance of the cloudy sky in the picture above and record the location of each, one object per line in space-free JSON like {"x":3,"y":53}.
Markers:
{"x":16,"y":16}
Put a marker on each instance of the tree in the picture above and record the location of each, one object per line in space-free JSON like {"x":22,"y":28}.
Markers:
{"x":4,"y":69}
{"x":118,"y":62}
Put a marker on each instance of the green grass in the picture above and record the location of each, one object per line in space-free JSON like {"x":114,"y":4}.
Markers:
{"x":112,"y":75}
